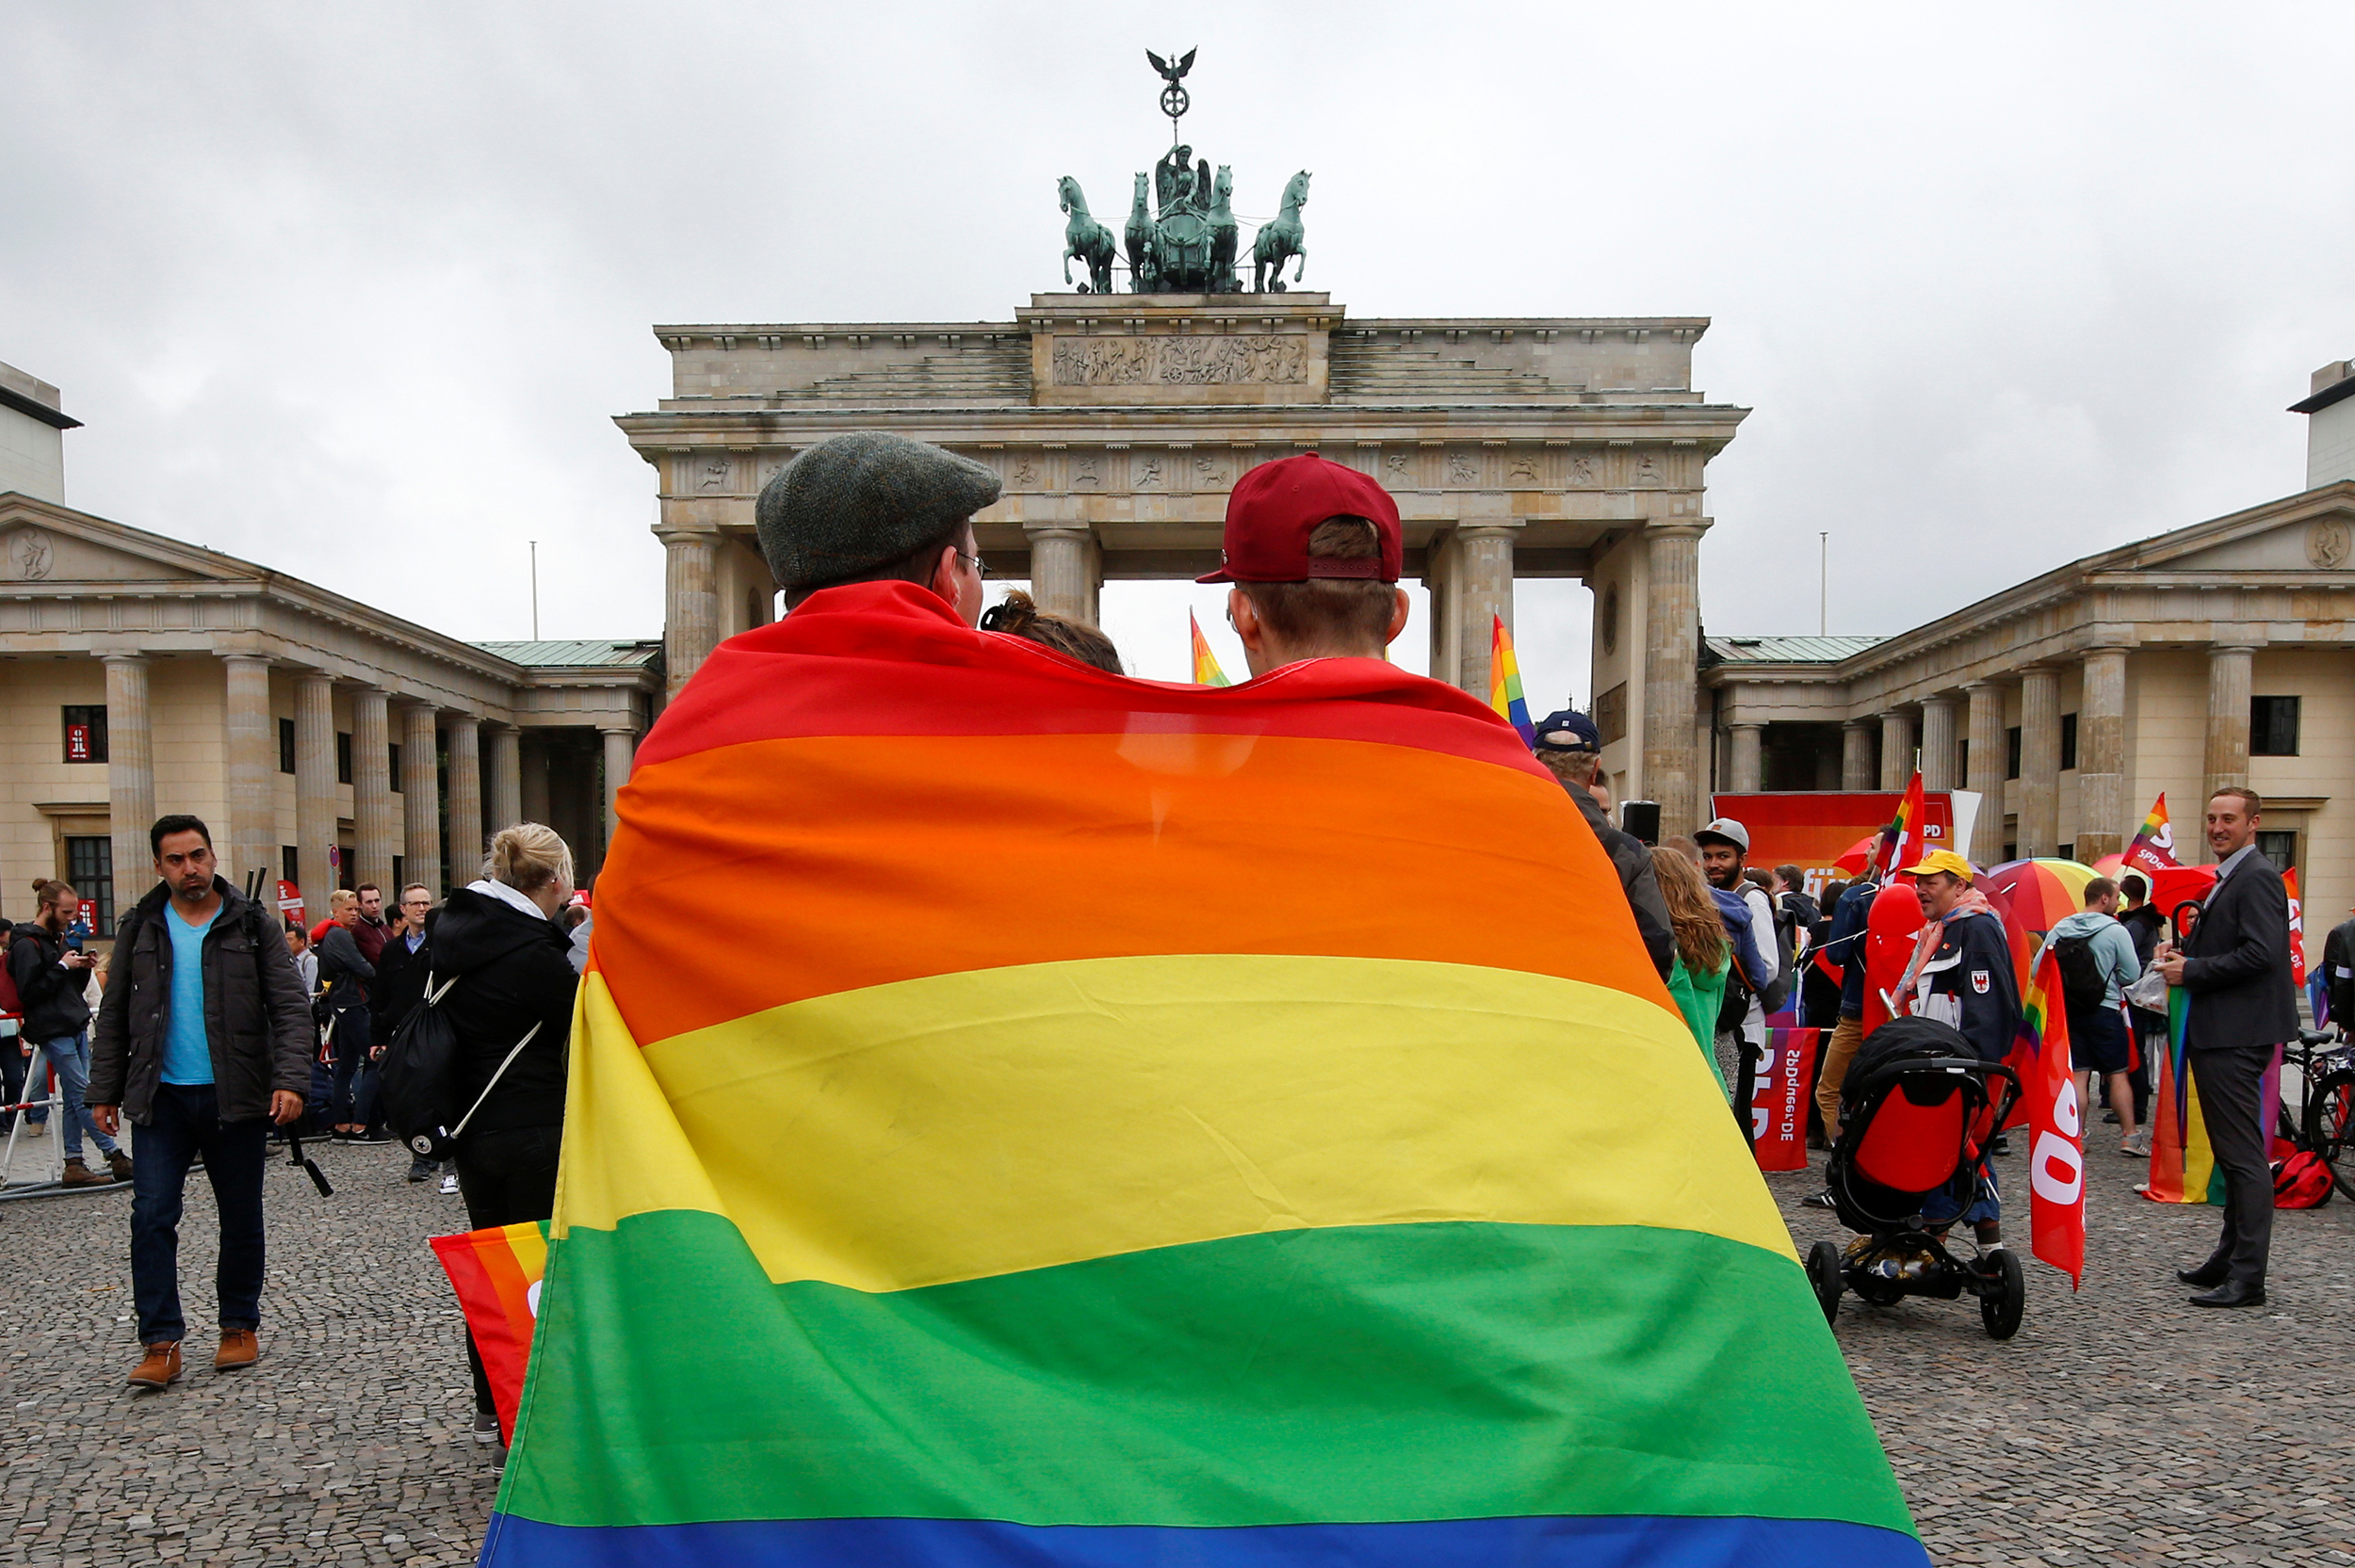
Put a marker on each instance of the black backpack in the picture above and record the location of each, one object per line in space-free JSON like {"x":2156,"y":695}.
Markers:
{"x":2083,"y":985}
{"x":416,"y":1077}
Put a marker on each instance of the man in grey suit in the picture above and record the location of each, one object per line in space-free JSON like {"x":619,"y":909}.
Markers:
{"x":2236,"y":965}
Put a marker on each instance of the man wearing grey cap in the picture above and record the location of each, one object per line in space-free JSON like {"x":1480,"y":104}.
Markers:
{"x":871,"y":507}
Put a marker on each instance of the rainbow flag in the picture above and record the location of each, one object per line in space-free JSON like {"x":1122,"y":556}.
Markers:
{"x":2153,"y":847}
{"x":497,"y":1273}
{"x":1206,"y":670}
{"x":1504,"y":683}
{"x":1125,"y":1122}
{"x":1910,"y":846}
{"x":2048,"y":1092}
{"x":2183,"y":1162}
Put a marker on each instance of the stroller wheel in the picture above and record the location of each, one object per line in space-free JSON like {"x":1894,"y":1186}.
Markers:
{"x":1823,"y":1272}
{"x":2001,"y":1311}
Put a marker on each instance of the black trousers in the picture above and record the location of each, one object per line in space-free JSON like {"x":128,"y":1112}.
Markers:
{"x":508,"y":1178}
{"x":2228,"y":1080}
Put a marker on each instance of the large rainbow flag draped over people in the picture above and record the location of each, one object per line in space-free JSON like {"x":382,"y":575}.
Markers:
{"x":1113,"y":1123}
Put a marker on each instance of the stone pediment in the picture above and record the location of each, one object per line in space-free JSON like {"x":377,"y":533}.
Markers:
{"x":45,"y":545}
{"x":2305,"y":534}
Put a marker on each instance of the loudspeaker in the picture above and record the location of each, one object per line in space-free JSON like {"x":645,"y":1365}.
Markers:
{"x":1641,"y":819}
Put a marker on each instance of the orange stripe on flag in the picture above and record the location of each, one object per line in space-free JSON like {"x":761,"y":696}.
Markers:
{"x":1151,"y":844}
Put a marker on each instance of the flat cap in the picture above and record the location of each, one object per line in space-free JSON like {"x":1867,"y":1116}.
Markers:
{"x":858,"y":501}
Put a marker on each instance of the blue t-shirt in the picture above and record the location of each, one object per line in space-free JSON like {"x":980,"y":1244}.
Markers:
{"x":187,"y":1057}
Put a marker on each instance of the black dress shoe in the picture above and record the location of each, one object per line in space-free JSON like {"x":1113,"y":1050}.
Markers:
{"x":2232,"y":1293}
{"x":2206,"y":1277}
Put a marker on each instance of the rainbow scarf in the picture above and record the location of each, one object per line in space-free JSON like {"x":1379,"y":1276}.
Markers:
{"x":1110,"y":1122}
{"x":1206,"y":670}
{"x":1504,"y":683}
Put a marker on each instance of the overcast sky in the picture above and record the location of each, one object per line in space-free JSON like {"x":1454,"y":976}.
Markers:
{"x":355,"y":292}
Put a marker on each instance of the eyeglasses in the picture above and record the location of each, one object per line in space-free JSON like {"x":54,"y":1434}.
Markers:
{"x":980,"y":569}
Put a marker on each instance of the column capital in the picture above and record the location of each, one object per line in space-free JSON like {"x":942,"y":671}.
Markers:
{"x":240,"y":657}
{"x":699,"y":533}
{"x":1675,"y":527}
{"x":1985,"y":682}
{"x":1490,"y":527}
{"x":1747,"y":724}
{"x":1859,"y":724}
{"x":1058,"y":530}
{"x":124,"y":656}
{"x":2234,"y":647}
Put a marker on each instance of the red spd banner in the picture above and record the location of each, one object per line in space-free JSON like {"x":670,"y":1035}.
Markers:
{"x":1813,"y":828}
{"x":1778,"y":1099}
{"x":2056,"y":1153}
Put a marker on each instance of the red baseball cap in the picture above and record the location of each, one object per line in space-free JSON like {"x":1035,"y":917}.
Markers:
{"x":1277,"y":505}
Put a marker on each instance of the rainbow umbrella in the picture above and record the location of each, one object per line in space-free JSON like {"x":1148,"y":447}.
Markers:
{"x":2041,"y":893}
{"x":2112,"y":866}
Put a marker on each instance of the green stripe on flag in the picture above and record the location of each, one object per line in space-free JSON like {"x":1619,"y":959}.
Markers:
{"x":1373,"y":1373}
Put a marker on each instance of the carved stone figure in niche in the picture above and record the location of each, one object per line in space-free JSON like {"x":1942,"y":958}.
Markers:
{"x":1149,"y":473}
{"x":1103,"y":362}
{"x":1460,"y":470}
{"x":1525,"y":467}
{"x":1396,"y":463}
{"x":1647,"y":473}
{"x":1085,"y":472}
{"x":1208,"y":472}
{"x":29,"y":553}
{"x":1581,"y":471}
{"x":714,"y":473}
{"x":1025,"y":473}
{"x":2328,"y":544}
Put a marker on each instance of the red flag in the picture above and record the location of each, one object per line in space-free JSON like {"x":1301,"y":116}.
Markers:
{"x":2298,"y":929}
{"x":1779,"y":1100}
{"x":2056,"y":1155}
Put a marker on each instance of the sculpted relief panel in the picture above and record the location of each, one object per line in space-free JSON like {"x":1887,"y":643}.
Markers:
{"x":1220,"y":361}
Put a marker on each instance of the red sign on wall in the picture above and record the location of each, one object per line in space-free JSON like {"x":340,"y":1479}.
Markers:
{"x":77,"y":747}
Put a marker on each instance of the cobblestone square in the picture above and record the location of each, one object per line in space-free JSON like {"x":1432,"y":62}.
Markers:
{"x":2121,"y":1426}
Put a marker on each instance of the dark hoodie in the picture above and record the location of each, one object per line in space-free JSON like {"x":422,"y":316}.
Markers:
{"x":511,"y":972}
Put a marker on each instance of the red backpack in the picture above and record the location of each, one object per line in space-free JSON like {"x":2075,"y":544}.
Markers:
{"x":2302,"y":1181}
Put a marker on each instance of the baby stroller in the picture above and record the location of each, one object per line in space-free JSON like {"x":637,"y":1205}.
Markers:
{"x":1917,"y":1110}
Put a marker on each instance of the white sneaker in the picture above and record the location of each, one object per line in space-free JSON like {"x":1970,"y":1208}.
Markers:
{"x":449,"y":1186}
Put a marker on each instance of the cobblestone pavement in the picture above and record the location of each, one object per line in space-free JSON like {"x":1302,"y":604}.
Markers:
{"x":2121,"y":1426}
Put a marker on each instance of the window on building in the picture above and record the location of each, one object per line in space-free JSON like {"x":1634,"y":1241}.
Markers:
{"x":400,"y":870}
{"x":1963,"y":758}
{"x":89,"y":865}
{"x":343,"y":756}
{"x":290,"y":864}
{"x":2273,"y":726}
{"x":2068,"y":744}
{"x":2069,"y":851}
{"x":393,"y":754}
{"x":2011,"y":753}
{"x":2279,"y":847}
{"x":85,"y":732}
{"x":285,"y":746}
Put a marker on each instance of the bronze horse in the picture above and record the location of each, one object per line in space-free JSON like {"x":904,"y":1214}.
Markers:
{"x":1085,"y":238}
{"x":1281,"y":240}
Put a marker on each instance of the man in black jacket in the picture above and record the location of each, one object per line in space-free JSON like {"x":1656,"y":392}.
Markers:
{"x":401,"y":968}
{"x":2235,"y":964}
{"x":49,"y":980}
{"x":203,"y":1039}
{"x":1571,"y":748}
{"x":344,"y":976}
{"x":2338,"y":976}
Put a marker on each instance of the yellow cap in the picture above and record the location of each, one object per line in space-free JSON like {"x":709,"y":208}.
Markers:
{"x":1942,"y":860}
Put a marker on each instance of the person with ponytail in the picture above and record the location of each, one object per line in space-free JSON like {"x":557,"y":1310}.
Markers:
{"x":498,"y":948}
{"x":1019,"y":615}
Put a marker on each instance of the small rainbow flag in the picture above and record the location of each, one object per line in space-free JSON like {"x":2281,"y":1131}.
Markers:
{"x":2154,"y":849}
{"x":496,"y":1275}
{"x":2182,"y":1162}
{"x":1504,"y":683}
{"x":1909,"y":847}
{"x":1206,"y":670}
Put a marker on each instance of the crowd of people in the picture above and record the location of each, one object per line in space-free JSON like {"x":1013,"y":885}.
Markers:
{"x":218,"y":1026}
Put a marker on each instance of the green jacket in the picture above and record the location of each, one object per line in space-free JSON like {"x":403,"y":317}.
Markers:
{"x":1699,"y":997}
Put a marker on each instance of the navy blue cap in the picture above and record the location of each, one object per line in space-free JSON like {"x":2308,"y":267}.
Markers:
{"x":1567,"y":731}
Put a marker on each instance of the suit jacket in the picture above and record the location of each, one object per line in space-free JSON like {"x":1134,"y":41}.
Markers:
{"x":2237,"y":962}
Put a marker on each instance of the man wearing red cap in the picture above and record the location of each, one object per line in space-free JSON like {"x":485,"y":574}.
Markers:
{"x":1313,"y":550}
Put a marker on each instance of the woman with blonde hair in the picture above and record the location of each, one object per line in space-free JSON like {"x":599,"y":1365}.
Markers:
{"x":499,"y":951}
{"x":1703,"y":952}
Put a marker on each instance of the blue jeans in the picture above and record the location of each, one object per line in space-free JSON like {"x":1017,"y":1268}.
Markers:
{"x":70,"y":1055}
{"x":183,"y":1122}
{"x":354,"y":1099}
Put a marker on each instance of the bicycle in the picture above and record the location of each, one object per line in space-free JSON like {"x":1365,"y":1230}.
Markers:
{"x":2326,"y":1119}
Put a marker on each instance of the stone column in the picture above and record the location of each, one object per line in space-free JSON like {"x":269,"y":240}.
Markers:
{"x":252,"y":763}
{"x":2229,"y":665}
{"x":691,"y":601}
{"x":1856,"y":754}
{"x":466,"y":796}
{"x":1897,"y":751}
{"x":1985,"y":773}
{"x":1749,"y":760}
{"x":1483,"y":590}
{"x":506,"y":778}
{"x":420,"y":799}
{"x":2039,"y":761}
{"x":2101,"y":755}
{"x":1064,"y":563}
{"x":376,"y":818}
{"x":130,"y":778}
{"x":1939,"y":770}
{"x":620,"y":745}
{"x":315,"y":788}
{"x":1672,"y":635}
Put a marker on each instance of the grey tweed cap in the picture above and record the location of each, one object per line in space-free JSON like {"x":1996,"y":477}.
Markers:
{"x":854,"y":502}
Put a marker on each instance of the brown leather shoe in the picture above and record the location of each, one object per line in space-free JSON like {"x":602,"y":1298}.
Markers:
{"x":78,"y":1175}
{"x":238,"y":1349}
{"x":120,"y":1163}
{"x":161,"y":1368}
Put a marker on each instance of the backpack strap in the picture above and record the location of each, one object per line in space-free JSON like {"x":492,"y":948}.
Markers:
{"x":493,"y":1083}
